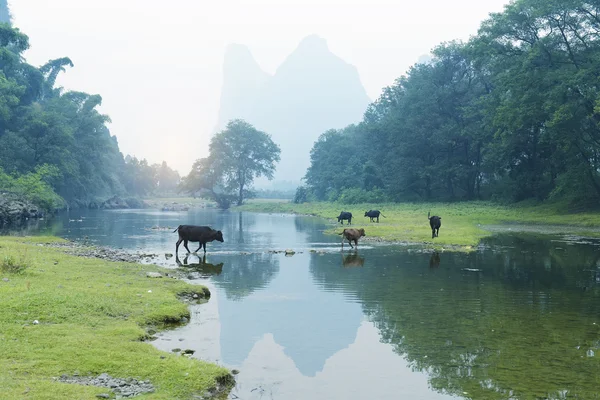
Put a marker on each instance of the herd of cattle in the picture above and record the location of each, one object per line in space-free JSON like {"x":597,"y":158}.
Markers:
{"x":205,"y":234}
{"x":352,"y":235}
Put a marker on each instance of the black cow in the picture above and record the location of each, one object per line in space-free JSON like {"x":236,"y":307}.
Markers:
{"x":435,"y":222}
{"x":374,"y":214}
{"x":345,"y":215}
{"x":193,"y":233}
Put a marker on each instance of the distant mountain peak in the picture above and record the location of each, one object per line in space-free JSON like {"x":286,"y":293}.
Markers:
{"x":236,"y":52}
{"x":313,"y":43}
{"x":312,"y":90}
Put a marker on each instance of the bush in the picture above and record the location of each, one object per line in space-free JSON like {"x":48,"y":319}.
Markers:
{"x":34,"y":187}
{"x":12,"y":265}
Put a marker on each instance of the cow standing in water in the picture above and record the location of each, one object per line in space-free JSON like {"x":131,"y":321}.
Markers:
{"x":434,"y":222}
{"x":193,"y":233}
{"x":352,"y":235}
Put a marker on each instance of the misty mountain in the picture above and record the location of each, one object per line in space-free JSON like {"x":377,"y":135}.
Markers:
{"x":312,"y":91}
{"x":4,"y":12}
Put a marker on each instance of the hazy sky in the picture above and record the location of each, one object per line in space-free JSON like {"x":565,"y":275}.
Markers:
{"x":157,"y":64}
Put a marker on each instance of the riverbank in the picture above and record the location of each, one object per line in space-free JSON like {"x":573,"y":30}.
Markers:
{"x":463,"y":224}
{"x":67,"y":318}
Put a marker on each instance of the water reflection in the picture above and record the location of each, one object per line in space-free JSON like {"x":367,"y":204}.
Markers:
{"x":309,"y":324}
{"x":352,"y":260}
{"x":510,"y":321}
{"x":434,"y":260}
{"x":247,"y":273}
{"x":202,"y":267}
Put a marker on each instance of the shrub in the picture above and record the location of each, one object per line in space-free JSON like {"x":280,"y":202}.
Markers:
{"x":11,"y":265}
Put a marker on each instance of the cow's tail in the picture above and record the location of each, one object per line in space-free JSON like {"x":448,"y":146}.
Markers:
{"x":383,"y":215}
{"x":428,"y":213}
{"x":177,"y":229}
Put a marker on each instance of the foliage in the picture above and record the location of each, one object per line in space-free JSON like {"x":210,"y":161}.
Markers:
{"x":41,"y":126}
{"x":91,"y":320}
{"x":238,"y":154}
{"x":302,"y":195}
{"x":512,"y":114}
{"x":34,"y":186}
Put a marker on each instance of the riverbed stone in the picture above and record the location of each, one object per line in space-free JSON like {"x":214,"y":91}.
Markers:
{"x":154,"y":275}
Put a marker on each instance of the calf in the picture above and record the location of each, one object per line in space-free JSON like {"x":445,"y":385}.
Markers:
{"x":193,"y":233}
{"x":345,"y":215}
{"x":435,"y":222}
{"x":351,"y":234}
{"x":374,"y":214}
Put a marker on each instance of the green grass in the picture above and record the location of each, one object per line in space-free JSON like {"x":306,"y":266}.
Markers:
{"x":92,"y":317}
{"x":463,"y":224}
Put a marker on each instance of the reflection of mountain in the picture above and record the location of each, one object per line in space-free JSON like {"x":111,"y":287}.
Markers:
{"x":312,"y":91}
{"x":310,"y":324}
{"x":486,"y":323}
{"x":245,"y":274}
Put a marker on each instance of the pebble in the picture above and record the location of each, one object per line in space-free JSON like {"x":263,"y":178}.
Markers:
{"x":123,"y":388}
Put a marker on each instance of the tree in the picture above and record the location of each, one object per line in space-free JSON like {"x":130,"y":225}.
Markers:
{"x":238,"y":154}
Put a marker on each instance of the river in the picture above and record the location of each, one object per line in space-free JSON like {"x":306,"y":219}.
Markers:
{"x":517,"y":319}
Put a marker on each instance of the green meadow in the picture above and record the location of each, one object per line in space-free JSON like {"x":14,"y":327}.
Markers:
{"x":91,"y":317}
{"x":464,"y":224}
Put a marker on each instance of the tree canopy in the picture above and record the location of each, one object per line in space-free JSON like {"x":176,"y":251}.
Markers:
{"x":44,"y":128}
{"x":511,"y":114}
{"x":237,"y":155}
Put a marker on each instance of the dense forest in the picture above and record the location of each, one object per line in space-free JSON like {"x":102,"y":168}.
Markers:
{"x":55,"y":146}
{"x":510,"y":115}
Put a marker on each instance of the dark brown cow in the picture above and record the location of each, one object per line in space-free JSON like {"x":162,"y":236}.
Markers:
{"x":434,"y":222}
{"x":193,"y":233}
{"x":352,"y":235}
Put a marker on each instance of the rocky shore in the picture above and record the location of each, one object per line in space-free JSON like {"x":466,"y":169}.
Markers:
{"x":15,"y":211}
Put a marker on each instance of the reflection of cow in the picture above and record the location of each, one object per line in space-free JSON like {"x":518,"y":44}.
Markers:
{"x":352,"y":235}
{"x":345,"y":215}
{"x":434,"y":261}
{"x":202,"y":267}
{"x":434,"y":222}
{"x":352,"y":260}
{"x":193,"y":233}
{"x":374,"y":214}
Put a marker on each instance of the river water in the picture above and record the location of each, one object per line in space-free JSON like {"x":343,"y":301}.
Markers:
{"x":517,"y":319}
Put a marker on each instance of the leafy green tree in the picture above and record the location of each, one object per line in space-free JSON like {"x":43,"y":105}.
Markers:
{"x":238,"y":154}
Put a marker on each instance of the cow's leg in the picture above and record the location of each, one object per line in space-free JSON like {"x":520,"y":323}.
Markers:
{"x":204,"y":245}
{"x":350,"y":243}
{"x":198,"y":248}
{"x":177,"y":245}
{"x":185,"y":242}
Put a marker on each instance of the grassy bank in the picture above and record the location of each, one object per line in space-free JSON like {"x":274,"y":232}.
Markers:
{"x":91,"y":318}
{"x":463,"y":224}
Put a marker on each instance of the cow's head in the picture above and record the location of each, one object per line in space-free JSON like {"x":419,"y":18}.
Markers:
{"x":219,"y":236}
{"x":362,"y":232}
